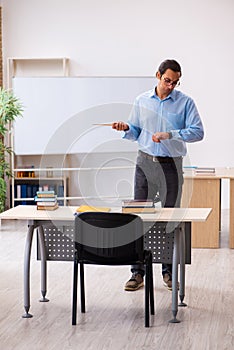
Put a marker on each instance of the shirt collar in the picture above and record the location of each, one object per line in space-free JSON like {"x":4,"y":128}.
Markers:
{"x":172,"y":94}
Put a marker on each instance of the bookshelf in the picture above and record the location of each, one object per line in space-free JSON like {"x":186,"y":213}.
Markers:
{"x":24,"y":189}
{"x":36,"y":66}
{"x":67,"y":178}
{"x":26,"y":181}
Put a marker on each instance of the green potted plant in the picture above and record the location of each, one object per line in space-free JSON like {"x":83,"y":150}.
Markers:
{"x":10,"y":109}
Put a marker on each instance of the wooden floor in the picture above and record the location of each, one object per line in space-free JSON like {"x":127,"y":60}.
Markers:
{"x":115,"y":318}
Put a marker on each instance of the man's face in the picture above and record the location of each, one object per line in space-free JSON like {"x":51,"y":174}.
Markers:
{"x":167,"y":81}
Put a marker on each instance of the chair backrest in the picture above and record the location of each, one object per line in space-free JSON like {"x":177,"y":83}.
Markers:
{"x":109,"y":238}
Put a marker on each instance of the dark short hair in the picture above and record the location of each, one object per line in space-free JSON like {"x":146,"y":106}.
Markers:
{"x":169,"y":64}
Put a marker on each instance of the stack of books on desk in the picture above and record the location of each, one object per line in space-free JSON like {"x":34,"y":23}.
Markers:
{"x":46,"y":200}
{"x":137,"y":206}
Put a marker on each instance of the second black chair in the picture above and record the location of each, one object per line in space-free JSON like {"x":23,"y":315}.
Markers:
{"x":110,"y":239}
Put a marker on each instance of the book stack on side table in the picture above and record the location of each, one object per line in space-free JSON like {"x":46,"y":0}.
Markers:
{"x":46,"y":200}
{"x":137,"y":206}
{"x":204,"y":171}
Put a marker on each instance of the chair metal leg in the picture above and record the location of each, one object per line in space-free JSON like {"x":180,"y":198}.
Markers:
{"x":147,"y":294}
{"x":74,"y":300}
{"x":175,"y":260}
{"x":152,"y":310}
{"x":182,"y":265}
{"x":82,"y":288}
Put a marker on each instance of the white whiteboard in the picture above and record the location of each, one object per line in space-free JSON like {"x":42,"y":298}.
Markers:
{"x":59,"y":113}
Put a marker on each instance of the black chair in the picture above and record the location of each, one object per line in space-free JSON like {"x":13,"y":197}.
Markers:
{"x":110,"y":239}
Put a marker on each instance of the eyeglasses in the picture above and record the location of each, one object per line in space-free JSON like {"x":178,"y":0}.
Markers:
{"x":168,"y":81}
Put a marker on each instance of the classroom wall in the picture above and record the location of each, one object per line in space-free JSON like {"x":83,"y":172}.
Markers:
{"x":131,"y":37}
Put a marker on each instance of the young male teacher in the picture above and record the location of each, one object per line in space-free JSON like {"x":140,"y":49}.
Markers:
{"x":162,"y":121}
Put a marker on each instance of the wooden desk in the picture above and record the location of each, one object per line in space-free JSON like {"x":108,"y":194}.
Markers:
{"x":37,"y":218}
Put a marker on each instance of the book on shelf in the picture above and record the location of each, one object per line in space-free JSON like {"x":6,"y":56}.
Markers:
{"x":51,"y":188}
{"x":29,"y":191}
{"x":34,"y":190}
{"x":60,"y":190}
{"x":18,"y":191}
{"x":23,"y":193}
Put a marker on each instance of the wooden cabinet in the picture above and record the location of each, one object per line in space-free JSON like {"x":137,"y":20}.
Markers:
{"x":204,"y":192}
{"x":231,"y":228}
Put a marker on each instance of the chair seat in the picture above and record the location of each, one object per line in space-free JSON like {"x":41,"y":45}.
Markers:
{"x":110,"y":239}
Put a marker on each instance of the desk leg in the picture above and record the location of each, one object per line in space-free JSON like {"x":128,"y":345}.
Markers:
{"x":43,"y":264}
{"x":27,"y":257}
{"x":175,"y":260}
{"x":182,"y":264}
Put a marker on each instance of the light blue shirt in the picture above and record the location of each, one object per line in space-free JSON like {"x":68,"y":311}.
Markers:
{"x":177,"y":113}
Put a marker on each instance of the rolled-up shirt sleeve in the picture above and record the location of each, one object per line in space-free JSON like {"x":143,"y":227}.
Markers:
{"x":193,"y":129}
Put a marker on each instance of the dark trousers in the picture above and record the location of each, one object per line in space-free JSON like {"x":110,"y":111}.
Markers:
{"x":160,"y":179}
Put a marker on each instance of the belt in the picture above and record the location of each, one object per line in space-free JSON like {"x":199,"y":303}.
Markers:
{"x":159,"y":159}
